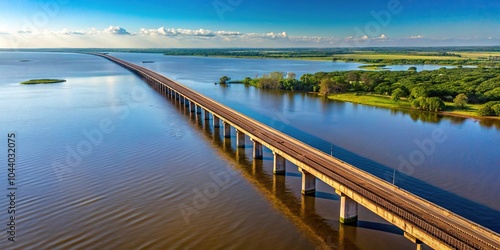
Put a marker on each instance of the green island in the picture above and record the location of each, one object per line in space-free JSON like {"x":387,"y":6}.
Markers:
{"x":374,"y":67}
{"x":465,"y":92}
{"x":42,"y":81}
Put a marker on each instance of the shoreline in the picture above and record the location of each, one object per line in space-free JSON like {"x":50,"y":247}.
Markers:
{"x":397,"y":107}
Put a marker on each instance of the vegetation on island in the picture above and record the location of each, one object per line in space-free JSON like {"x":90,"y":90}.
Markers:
{"x":463,"y":91}
{"x":42,"y":81}
{"x":374,"y":67}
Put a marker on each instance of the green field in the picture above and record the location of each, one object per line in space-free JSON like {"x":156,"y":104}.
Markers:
{"x":42,"y":81}
{"x":372,"y":56}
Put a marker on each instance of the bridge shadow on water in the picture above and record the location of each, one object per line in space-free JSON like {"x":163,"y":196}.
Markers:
{"x":466,"y":208}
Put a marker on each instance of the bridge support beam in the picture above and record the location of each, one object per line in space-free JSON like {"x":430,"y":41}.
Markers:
{"x":186,"y":102}
{"x":227,"y":129}
{"x":308,"y":183}
{"x":257,"y":150}
{"x":216,"y":122}
{"x":198,"y":109}
{"x":279,"y":166}
{"x":414,"y":240}
{"x":348,"y":209}
{"x":240,"y":139}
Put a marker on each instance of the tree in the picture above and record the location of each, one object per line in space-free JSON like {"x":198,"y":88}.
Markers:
{"x":339,"y":85}
{"x":461,"y":101}
{"x":291,"y":76}
{"x":412,"y":68}
{"x":224,"y":80}
{"x":496,"y":109}
{"x":397,"y":94}
{"x":435,"y":104}
{"x":419,"y":91}
{"x":247,"y":80}
{"x":325,"y":86}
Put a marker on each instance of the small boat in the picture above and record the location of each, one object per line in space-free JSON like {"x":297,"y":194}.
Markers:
{"x":148,"y":61}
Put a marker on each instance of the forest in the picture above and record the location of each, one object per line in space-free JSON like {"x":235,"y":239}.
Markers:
{"x":427,"y":90}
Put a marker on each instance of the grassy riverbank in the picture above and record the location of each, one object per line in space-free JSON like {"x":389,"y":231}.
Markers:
{"x":42,"y":81}
{"x":386,"y":102}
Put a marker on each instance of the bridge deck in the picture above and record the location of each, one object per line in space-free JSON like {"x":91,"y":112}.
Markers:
{"x":447,"y":227}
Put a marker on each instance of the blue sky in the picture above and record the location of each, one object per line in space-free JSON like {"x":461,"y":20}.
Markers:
{"x":245,"y":23}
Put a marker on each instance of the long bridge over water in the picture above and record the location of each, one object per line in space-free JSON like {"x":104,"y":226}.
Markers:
{"x":422,"y":221}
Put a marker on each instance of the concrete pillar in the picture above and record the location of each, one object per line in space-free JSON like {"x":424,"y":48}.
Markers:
{"x":186,"y":102}
{"x":279,"y":166}
{"x":192,"y":106}
{"x":227,"y":129}
{"x":198,"y":109}
{"x":216,"y":122}
{"x":257,"y":150}
{"x":240,"y":139}
{"x":308,"y":183}
{"x":348,"y":210}
{"x":207,"y":114}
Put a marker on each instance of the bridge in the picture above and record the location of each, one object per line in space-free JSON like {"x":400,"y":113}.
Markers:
{"x":421,"y":221}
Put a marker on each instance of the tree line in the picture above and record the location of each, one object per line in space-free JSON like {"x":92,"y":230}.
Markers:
{"x":425,"y":90}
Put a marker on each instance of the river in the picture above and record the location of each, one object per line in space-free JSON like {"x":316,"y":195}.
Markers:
{"x":104,"y":161}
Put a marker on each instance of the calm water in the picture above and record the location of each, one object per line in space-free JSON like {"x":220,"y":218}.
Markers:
{"x":106,"y":162}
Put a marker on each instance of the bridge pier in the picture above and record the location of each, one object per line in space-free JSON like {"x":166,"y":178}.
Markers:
{"x":348,"y":209}
{"x":198,"y":109}
{"x":216,"y":121}
{"x":240,"y":139}
{"x":192,"y":106}
{"x":207,"y":114}
{"x":257,"y":150}
{"x":186,"y":102}
{"x":279,"y":166}
{"x":227,"y":129}
{"x":308,"y":183}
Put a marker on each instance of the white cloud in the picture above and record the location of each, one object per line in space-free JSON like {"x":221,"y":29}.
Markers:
{"x":116,"y":30}
{"x":186,"y":32}
{"x":69,"y":32}
{"x":116,"y":36}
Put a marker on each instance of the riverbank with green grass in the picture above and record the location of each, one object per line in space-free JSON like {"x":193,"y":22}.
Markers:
{"x":471,"y":111}
{"x":43,"y":81}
